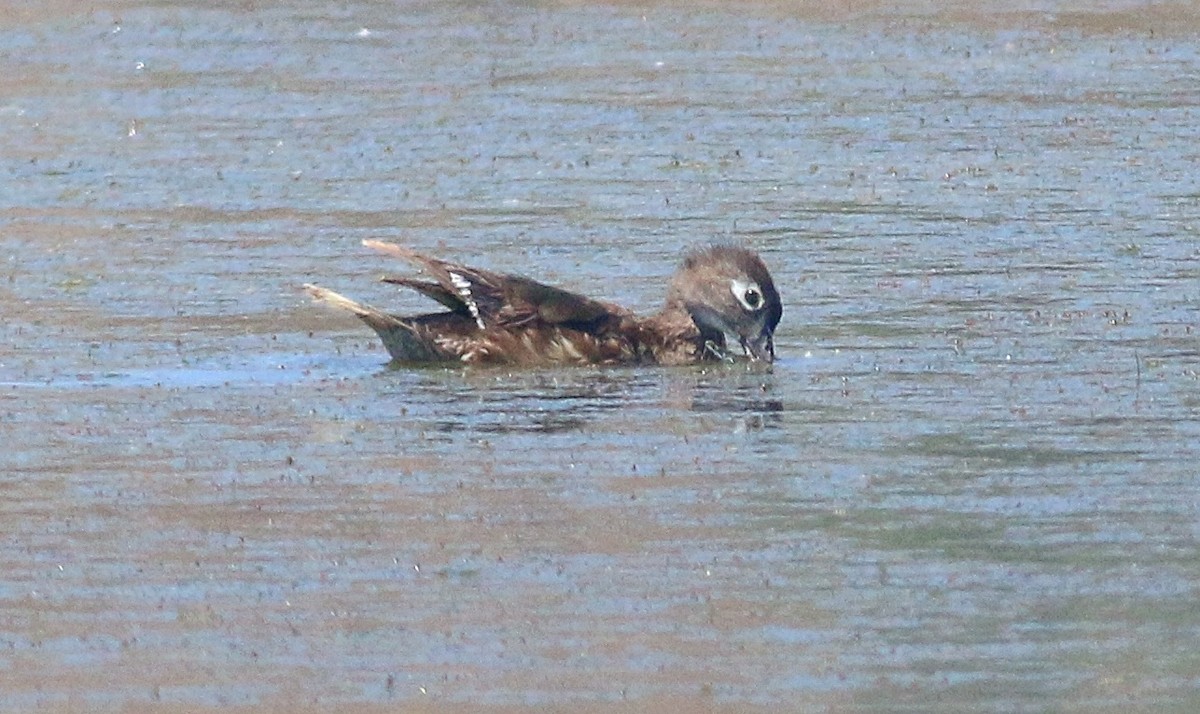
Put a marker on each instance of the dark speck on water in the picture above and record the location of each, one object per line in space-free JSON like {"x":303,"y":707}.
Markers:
{"x":967,"y":483}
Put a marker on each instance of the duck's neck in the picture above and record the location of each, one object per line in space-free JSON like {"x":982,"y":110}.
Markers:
{"x":673,"y":337}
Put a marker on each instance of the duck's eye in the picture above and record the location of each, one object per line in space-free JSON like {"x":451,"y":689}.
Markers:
{"x":748,"y":294}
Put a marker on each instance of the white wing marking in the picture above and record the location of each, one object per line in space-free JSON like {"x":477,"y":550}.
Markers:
{"x":464,"y":291}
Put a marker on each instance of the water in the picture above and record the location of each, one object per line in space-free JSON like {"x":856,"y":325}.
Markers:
{"x":969,"y":481}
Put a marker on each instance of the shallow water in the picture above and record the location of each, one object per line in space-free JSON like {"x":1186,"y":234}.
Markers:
{"x":968,"y":482}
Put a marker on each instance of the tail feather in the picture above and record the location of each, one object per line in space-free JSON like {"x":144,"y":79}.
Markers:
{"x":400,"y":338}
{"x":338,"y":300}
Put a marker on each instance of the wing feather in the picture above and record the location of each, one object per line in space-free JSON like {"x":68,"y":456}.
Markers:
{"x":496,"y":298}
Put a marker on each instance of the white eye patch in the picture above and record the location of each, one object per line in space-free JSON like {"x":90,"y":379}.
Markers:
{"x":748,"y":294}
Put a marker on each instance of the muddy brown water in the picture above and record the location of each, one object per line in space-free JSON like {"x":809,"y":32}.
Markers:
{"x":969,"y":481}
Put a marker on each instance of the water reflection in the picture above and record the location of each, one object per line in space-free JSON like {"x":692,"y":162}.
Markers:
{"x":743,"y":392}
{"x":569,"y":400}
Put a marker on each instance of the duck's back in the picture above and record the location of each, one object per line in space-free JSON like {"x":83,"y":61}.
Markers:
{"x":455,"y":337}
{"x":494,"y":318}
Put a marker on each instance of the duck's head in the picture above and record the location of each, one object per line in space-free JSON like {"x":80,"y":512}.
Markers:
{"x":728,"y":290}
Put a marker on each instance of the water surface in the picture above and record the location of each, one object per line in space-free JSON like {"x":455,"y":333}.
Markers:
{"x":969,"y":481}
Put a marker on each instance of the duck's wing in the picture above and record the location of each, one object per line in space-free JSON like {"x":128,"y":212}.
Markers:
{"x":433,"y":291}
{"x":528,"y":300}
{"x":495,"y":298}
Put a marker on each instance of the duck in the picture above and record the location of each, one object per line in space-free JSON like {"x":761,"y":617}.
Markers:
{"x":493,"y":318}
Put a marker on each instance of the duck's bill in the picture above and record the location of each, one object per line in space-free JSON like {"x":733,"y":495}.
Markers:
{"x":760,"y":348}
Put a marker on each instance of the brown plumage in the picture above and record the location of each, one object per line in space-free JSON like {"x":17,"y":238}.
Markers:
{"x":495,"y":318}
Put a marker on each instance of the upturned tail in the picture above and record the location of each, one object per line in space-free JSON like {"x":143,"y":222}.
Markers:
{"x":400,"y":338}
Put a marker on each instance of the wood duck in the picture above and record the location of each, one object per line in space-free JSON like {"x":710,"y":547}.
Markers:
{"x":494,"y":318}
